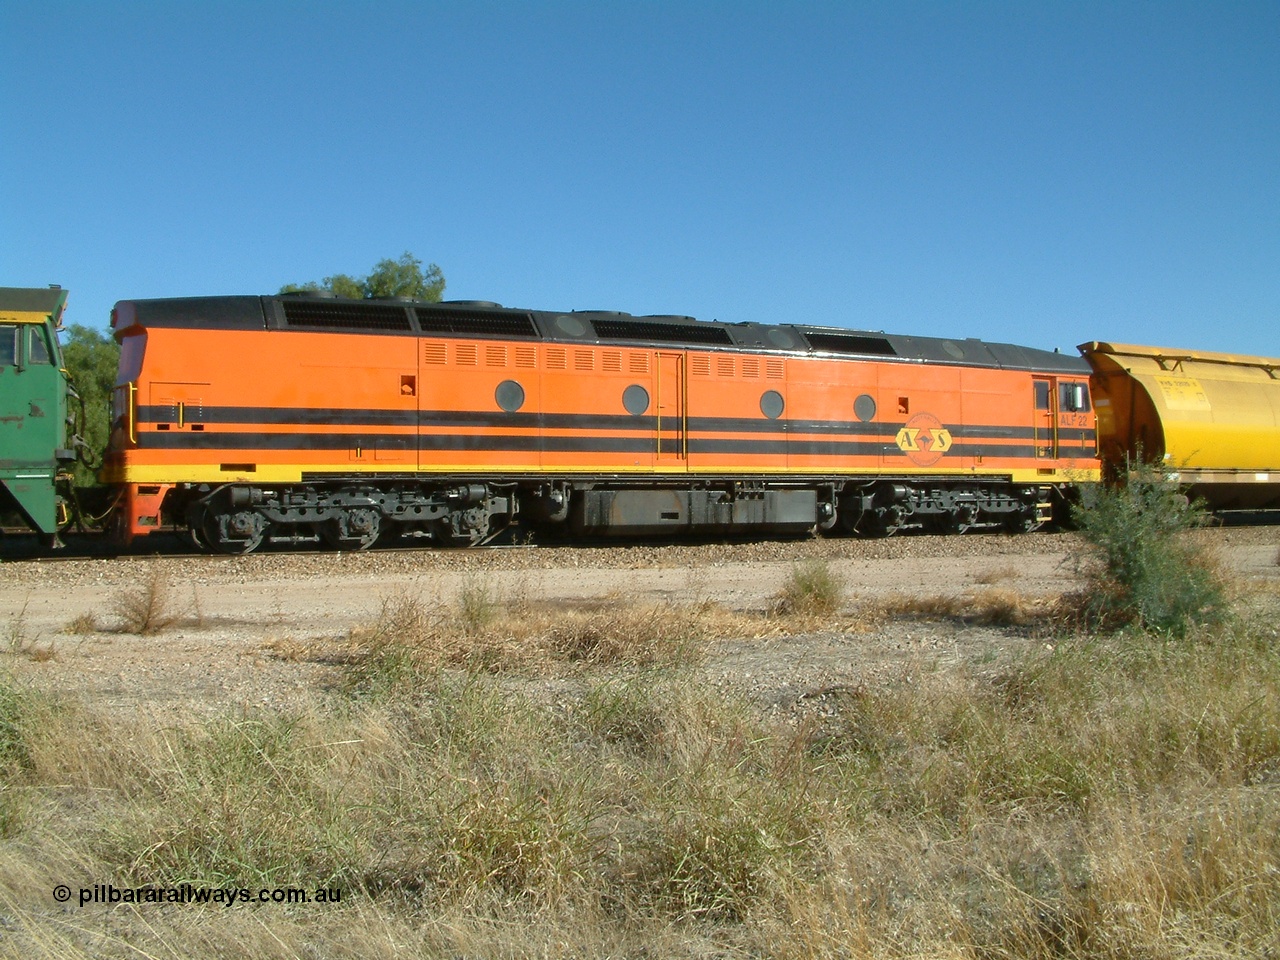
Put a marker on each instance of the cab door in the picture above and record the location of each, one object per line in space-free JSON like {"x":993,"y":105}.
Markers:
{"x":1044,"y":418}
{"x":673,"y":418}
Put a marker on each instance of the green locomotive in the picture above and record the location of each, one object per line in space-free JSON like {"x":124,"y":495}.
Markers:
{"x":34,"y":390}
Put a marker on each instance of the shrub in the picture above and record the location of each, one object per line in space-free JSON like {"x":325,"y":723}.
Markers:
{"x":812,"y":590}
{"x":1147,"y":573}
{"x":145,"y":608}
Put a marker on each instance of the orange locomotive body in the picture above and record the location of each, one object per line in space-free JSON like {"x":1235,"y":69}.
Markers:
{"x":298,"y":418}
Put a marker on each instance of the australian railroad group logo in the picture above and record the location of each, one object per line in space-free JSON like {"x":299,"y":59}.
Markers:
{"x":924,"y":439}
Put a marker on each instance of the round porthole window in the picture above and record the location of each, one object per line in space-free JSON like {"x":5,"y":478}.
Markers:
{"x":864,"y":408}
{"x":510,"y":396}
{"x":771,"y":404}
{"x":635,"y":399}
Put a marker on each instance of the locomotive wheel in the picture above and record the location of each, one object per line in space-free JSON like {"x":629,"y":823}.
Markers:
{"x":880,"y":523}
{"x":956,"y":521}
{"x":1022,"y":522}
{"x":356,"y":529}
{"x":235,"y":533}
{"x":462,"y":528}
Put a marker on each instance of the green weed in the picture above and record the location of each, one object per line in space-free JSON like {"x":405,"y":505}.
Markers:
{"x":1146,"y":571}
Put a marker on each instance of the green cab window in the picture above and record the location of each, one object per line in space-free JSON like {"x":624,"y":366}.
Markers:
{"x":8,"y":345}
{"x":37,"y":345}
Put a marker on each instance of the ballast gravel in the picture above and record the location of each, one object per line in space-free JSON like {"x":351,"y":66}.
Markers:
{"x":235,"y":615}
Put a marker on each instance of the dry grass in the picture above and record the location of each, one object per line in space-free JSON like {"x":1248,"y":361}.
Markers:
{"x":1102,"y":800}
{"x":481,"y":632}
{"x":82,"y":624}
{"x":536,"y":780}
{"x":989,"y":607}
{"x":18,"y":642}
{"x":990,"y":578}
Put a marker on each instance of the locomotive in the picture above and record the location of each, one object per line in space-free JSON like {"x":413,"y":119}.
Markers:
{"x":35,"y":451}
{"x":302,"y":418}
{"x":305,"y":418}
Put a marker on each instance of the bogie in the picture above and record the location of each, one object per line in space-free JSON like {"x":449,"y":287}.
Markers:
{"x":240,"y":518}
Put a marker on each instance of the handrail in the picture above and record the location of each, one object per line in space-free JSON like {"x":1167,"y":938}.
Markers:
{"x":132,"y":413}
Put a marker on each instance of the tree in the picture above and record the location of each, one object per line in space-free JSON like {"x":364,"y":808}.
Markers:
{"x":91,"y":359}
{"x":389,"y":278}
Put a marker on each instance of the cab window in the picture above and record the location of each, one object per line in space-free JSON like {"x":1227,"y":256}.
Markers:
{"x":1042,"y":394}
{"x":8,"y":345}
{"x":37,"y":345}
{"x":1073,"y":397}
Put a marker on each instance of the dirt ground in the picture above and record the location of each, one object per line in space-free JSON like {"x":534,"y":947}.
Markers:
{"x":59,"y":624}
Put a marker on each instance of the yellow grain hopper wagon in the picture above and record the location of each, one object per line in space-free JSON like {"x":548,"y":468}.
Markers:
{"x":1211,"y":419}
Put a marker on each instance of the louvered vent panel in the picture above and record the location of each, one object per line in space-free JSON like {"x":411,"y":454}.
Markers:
{"x":475,"y":323}
{"x":700,"y":366}
{"x":557,"y":358}
{"x":466,"y":355}
{"x":434,"y":353}
{"x":495,"y":356}
{"x":353,"y":317}
{"x":527,"y":357}
{"x":751,"y":368}
{"x":662,"y":332}
{"x":611,"y":361}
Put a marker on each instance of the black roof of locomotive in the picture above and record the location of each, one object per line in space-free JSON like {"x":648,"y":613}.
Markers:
{"x":32,"y":299}
{"x":469,"y":318}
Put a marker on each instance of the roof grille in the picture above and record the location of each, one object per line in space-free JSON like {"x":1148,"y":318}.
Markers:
{"x":848,"y":343}
{"x":664,"y":332}
{"x":476,"y":323}
{"x":354,"y":317}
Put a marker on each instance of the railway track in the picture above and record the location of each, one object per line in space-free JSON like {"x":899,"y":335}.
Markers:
{"x":16,"y":547}
{"x":19,"y":553}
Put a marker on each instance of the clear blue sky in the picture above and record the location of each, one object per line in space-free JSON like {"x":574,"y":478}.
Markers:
{"x":1037,"y":172}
